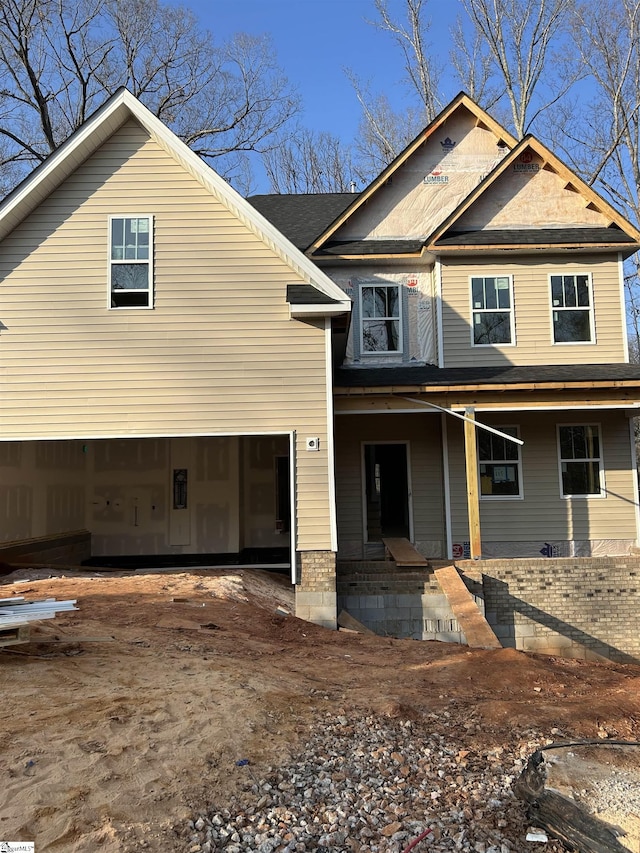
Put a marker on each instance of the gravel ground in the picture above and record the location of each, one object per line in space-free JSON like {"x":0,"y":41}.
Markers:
{"x":375,"y":785}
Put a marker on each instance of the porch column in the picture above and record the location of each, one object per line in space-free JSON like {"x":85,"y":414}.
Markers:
{"x":473,"y":491}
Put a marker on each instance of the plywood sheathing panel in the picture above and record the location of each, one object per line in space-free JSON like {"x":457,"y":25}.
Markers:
{"x":430,"y":184}
{"x":528,"y":195}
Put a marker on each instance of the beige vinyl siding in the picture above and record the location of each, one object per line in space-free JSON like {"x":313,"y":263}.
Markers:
{"x":422,"y":432}
{"x":543,"y":514}
{"x":532,"y":306}
{"x":218,"y":354}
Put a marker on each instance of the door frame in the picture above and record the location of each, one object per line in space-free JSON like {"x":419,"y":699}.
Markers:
{"x":363,"y":485}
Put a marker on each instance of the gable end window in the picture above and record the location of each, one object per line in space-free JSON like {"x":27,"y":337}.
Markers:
{"x":130,"y":262}
{"x":380,"y":318}
{"x":581,"y":470}
{"x":492,"y":310}
{"x":499,"y":464}
{"x":571,"y":307}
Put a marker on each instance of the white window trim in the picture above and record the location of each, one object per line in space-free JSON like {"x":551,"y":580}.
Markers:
{"x":520,"y":495}
{"x":512,"y":312}
{"x":592,"y":324}
{"x":380,"y":353}
{"x":149,"y":261}
{"x":600,"y":459}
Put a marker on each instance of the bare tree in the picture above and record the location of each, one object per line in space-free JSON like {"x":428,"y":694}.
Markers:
{"x":602,"y":138}
{"x":311,"y":162}
{"x":383,"y":131}
{"x":473,"y":64}
{"x":519,"y":36}
{"x":60,"y":59}
{"x":422,"y":72}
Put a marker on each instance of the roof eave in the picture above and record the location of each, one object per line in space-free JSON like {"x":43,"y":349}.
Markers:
{"x":310,"y":311}
{"x":626,"y":248}
{"x":501,"y":387}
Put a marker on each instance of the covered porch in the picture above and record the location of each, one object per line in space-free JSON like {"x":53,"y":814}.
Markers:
{"x":471,"y":464}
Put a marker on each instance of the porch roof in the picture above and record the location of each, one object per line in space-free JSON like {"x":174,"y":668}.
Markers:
{"x":507,"y":377}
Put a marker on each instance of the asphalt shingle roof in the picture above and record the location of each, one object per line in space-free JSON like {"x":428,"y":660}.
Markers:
{"x":536,"y":237}
{"x":370,"y":247}
{"x":371,"y":377}
{"x":301,"y":218}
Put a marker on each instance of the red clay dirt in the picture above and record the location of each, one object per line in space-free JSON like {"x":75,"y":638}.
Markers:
{"x":124,"y":716}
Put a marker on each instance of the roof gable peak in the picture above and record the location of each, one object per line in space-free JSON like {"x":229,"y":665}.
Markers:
{"x":529,"y":157}
{"x":461,"y":104}
{"x":99,"y":127}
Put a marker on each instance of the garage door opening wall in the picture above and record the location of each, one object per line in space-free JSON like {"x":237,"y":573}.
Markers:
{"x":207,"y":495}
{"x":199,"y":495}
{"x":43,"y":488}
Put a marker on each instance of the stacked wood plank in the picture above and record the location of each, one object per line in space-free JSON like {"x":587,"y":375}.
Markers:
{"x":17,"y":614}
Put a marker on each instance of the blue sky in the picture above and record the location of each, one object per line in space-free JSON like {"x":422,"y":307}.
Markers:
{"x":315,"y":40}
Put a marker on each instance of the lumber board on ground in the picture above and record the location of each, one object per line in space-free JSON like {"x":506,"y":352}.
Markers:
{"x":477,"y":631}
{"x":403,"y":553}
{"x":346,"y":620}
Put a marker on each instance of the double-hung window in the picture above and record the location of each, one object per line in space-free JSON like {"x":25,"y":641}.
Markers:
{"x":131,"y":261}
{"x":580,"y":455}
{"x":571,"y":307}
{"x":499,"y":464}
{"x":492,"y":310}
{"x":380,"y":320}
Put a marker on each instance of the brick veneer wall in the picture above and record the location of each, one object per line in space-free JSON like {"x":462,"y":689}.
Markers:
{"x":316,"y":598}
{"x":585,"y":608}
{"x":60,"y":549}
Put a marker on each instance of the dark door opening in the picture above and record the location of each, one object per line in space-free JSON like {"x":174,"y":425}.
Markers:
{"x":386,"y":491}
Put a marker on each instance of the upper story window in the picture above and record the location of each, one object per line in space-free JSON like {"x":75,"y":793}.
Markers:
{"x":580,"y":455}
{"x":380,"y":318}
{"x":492,"y":310}
{"x":130,"y":262}
{"x":499,"y":464}
{"x":571,"y":307}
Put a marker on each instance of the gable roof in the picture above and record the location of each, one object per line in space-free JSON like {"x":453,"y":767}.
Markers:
{"x":618,"y":232}
{"x":120,"y":107}
{"x":461,"y":101}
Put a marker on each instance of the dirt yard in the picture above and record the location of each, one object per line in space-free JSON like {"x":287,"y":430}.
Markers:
{"x":125,"y":717}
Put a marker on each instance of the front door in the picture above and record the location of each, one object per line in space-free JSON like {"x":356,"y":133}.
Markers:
{"x":387,"y":493}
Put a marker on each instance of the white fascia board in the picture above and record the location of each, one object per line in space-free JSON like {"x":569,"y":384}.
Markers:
{"x":307,"y":311}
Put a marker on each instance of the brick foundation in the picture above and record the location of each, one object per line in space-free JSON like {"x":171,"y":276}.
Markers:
{"x":316,"y":598}
{"x":570,"y":607}
{"x":59,"y":549}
